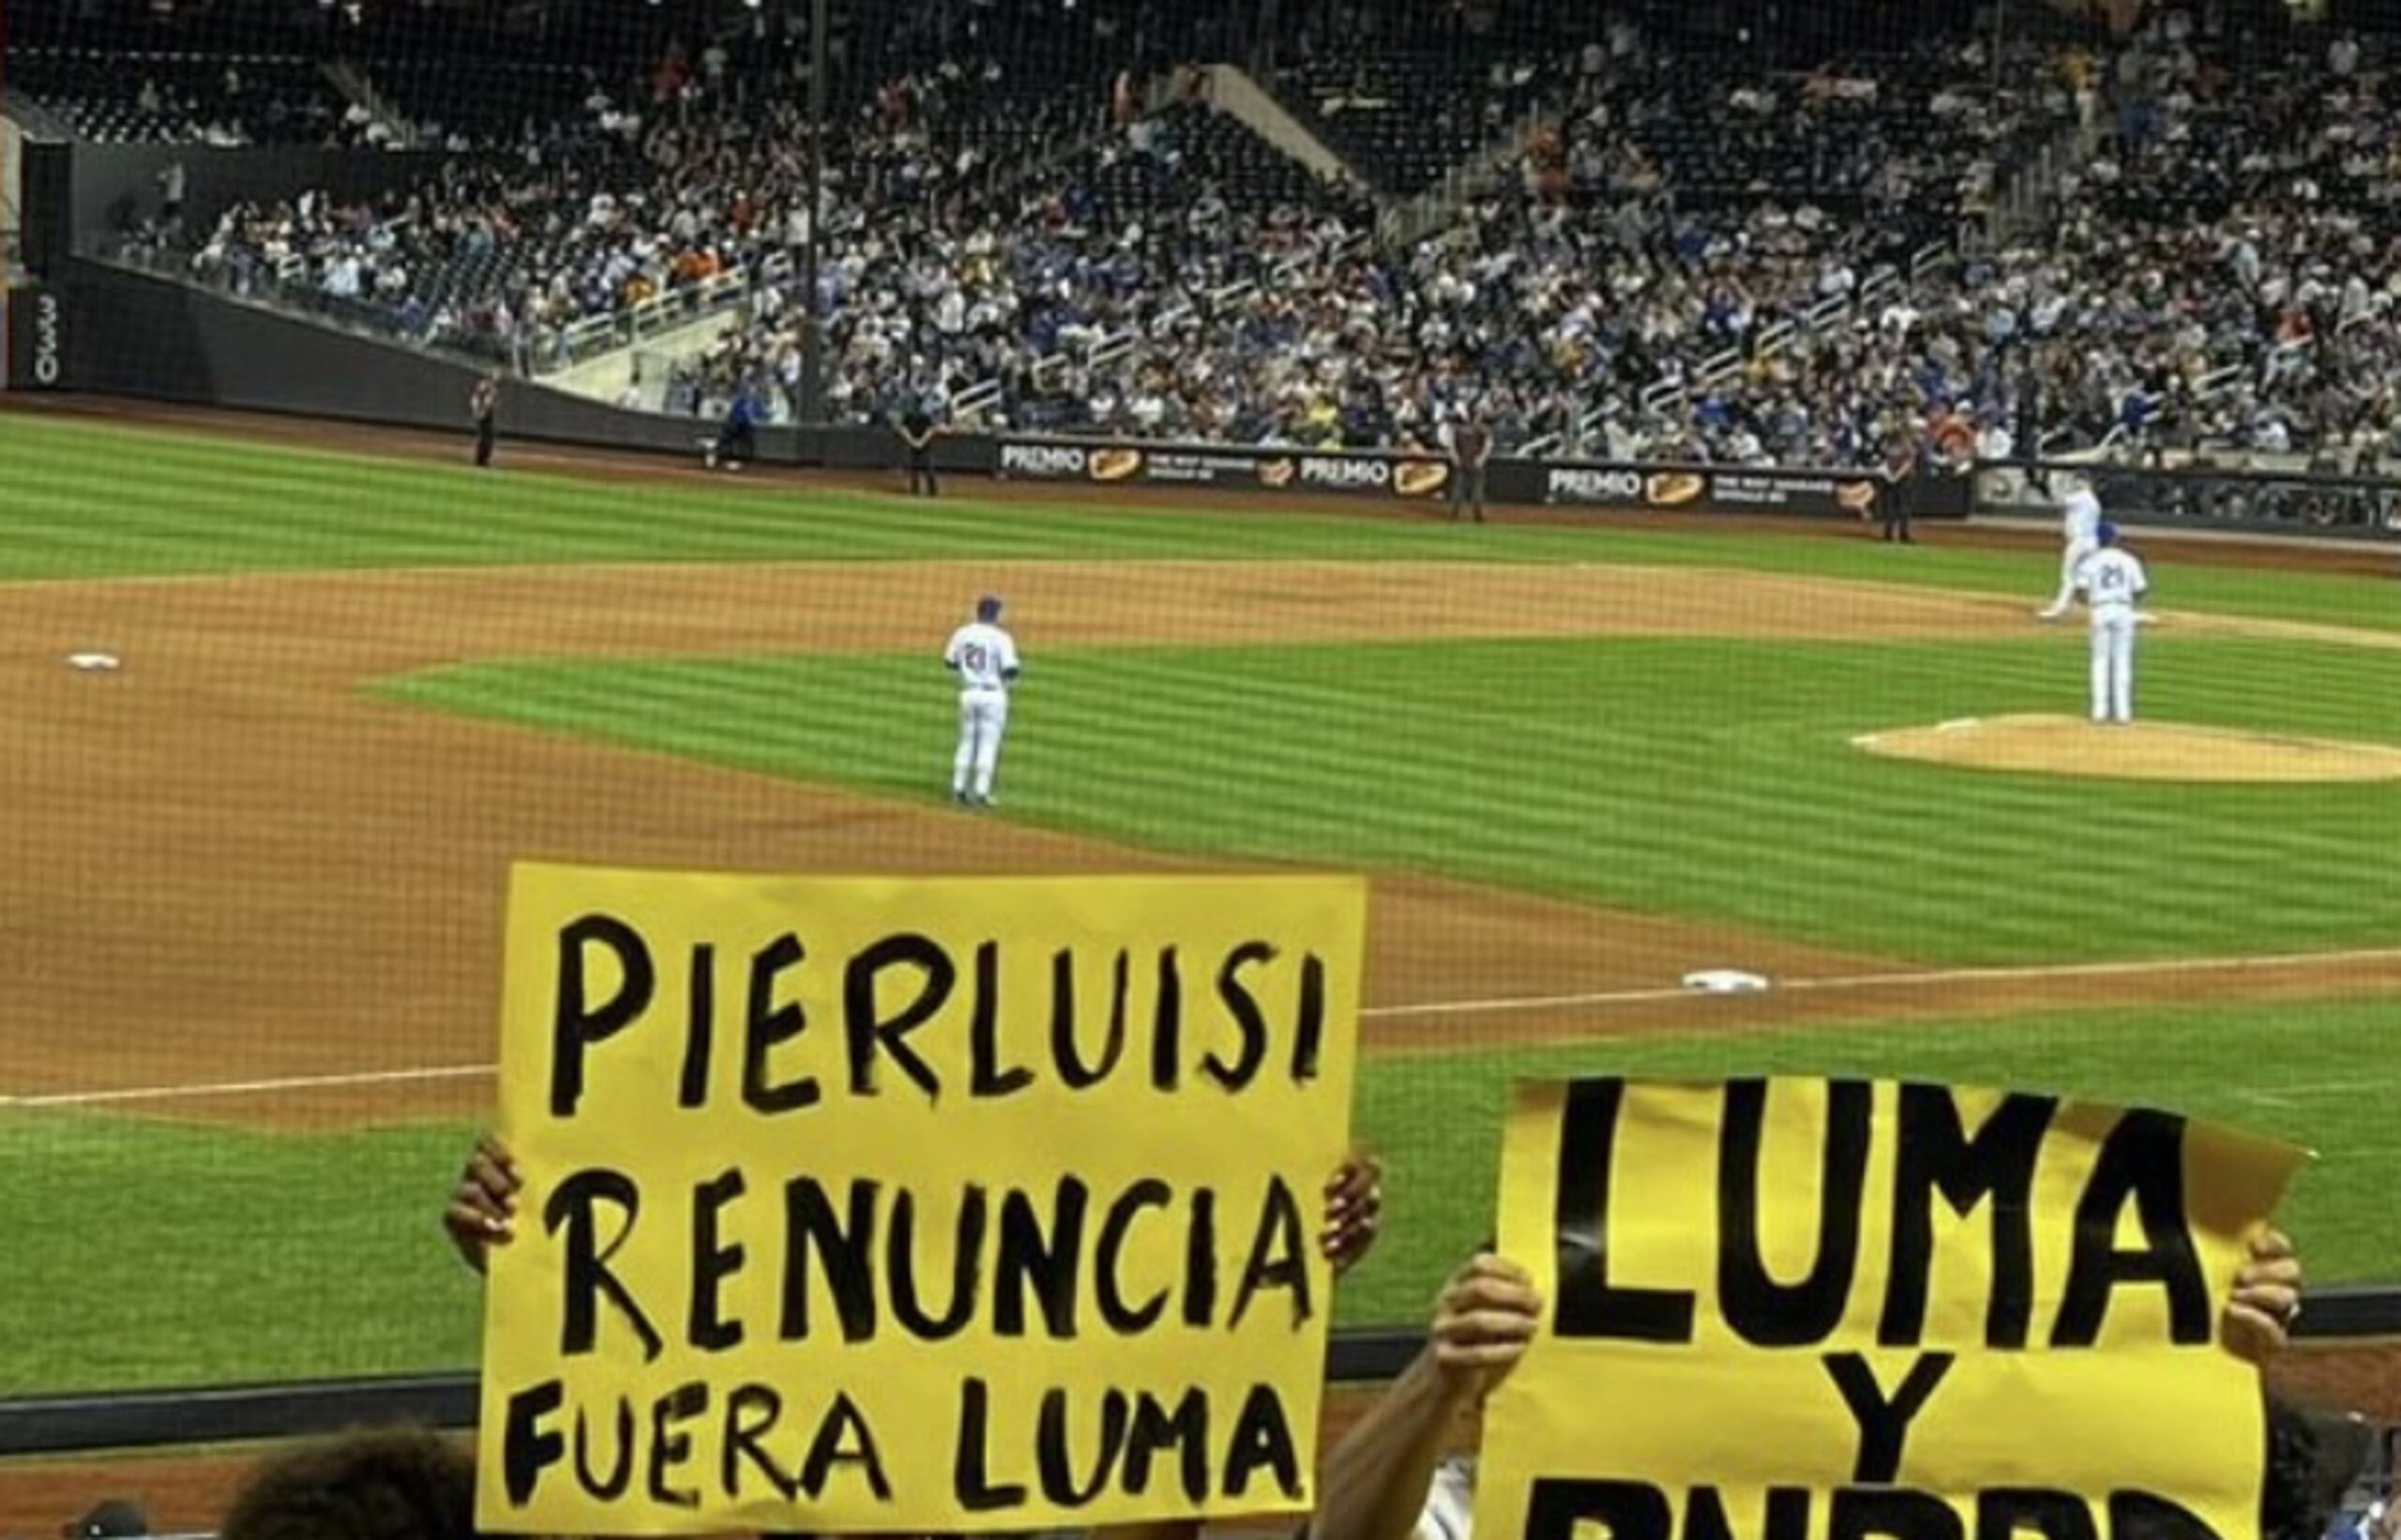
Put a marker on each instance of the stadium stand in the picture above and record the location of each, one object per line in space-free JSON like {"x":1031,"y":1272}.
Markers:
{"x":2172,"y":241}
{"x":216,"y":99}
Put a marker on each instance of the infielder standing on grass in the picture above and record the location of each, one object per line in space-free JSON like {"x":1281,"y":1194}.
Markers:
{"x":984,"y":656}
{"x":2111,"y":580}
{"x":2079,"y":532}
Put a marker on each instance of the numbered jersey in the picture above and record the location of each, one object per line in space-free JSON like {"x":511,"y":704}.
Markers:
{"x":985,"y":656}
{"x":2111,"y":579}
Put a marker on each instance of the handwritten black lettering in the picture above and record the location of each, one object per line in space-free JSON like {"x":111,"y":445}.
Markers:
{"x":767,"y":1025}
{"x":1066,"y":1052}
{"x":576,"y":1022}
{"x":2005,"y":1513}
{"x":1857,"y":1512}
{"x":1157,"y":1431}
{"x":2141,"y":1162}
{"x":585,"y":1275}
{"x":1279,"y":1255}
{"x":1250,"y":1020}
{"x":844,"y":1438}
{"x":870,"y":1035}
{"x":1758,"y":1308}
{"x":712,"y":1263}
{"x":972,"y":1482}
{"x":847,"y":1249}
{"x":1885,"y":1421}
{"x":671,"y":1446}
{"x":907,"y":1308}
{"x":1262,"y":1440}
{"x":1108,"y":1255}
{"x":609,"y":1485}
{"x":1590,"y":1304}
{"x":700,"y":1029}
{"x":1029,"y":1261}
{"x":987,"y":1076}
{"x":527,"y":1447}
{"x":751,"y":1413}
{"x":1996,"y":1166}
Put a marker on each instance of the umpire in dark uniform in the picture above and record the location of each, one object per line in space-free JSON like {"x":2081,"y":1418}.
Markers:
{"x":918,"y":434}
{"x":1897,"y":498}
{"x":484,"y":403}
{"x":1471,"y":453}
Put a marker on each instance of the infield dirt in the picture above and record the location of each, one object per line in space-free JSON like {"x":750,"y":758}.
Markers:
{"x":232,"y":864}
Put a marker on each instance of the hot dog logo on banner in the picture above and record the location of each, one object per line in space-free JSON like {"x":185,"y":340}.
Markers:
{"x":1807,"y":1310}
{"x":886,"y":1205}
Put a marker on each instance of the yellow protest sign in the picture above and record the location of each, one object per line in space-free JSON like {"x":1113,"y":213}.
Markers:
{"x":1813,"y":1311}
{"x":913,"y":1205}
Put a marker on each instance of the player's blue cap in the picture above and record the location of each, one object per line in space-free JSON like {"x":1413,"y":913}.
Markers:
{"x":2106,"y":533}
{"x":988,"y":607}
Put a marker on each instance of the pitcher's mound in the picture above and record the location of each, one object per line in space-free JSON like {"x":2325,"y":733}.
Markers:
{"x":2070,"y":745}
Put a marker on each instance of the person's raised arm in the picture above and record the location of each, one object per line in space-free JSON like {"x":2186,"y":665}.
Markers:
{"x":482,"y":1212}
{"x":1375,"y":1481}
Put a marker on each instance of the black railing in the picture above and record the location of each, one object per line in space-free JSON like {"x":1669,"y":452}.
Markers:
{"x":156,"y":1419}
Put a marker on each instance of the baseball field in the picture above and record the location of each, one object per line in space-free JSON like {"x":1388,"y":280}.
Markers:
{"x":250,"y":879}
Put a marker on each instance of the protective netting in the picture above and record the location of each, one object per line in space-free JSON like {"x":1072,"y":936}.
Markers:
{"x":285,"y":696}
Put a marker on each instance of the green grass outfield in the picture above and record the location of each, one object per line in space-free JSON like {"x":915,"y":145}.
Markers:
{"x":1706,"y":779}
{"x":161,"y":1253}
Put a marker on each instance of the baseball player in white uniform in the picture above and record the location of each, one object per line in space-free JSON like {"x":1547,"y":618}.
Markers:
{"x":984,"y":656}
{"x":2080,"y":530}
{"x":2112,"y":581}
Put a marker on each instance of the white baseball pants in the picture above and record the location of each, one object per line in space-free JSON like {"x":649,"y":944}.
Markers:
{"x":983,"y":721}
{"x":2113,"y":664}
{"x":2072,"y":559}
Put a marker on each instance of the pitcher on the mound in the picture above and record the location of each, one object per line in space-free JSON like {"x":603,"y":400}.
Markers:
{"x":2079,"y":532}
{"x":2111,"y":580}
{"x":984,"y":656}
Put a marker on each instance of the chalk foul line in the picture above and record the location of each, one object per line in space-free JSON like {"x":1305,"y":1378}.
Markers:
{"x":1833,"y":984}
{"x":252,"y":1088}
{"x":1921,"y":978}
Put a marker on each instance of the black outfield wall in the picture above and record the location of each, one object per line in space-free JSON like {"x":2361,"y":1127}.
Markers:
{"x":127,"y":333}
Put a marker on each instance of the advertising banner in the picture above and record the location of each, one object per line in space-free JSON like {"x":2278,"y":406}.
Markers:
{"x":1225,"y":466}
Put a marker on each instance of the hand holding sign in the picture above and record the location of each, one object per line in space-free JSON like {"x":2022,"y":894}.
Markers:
{"x":2267,"y":1299}
{"x":1486,"y":1318}
{"x":483,"y":1207}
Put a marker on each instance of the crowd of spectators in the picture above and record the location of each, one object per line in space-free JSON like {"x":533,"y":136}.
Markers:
{"x":1786,"y":266}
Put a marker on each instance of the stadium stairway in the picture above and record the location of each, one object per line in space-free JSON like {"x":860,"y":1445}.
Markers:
{"x":1242,"y":97}
{"x":647,"y":363}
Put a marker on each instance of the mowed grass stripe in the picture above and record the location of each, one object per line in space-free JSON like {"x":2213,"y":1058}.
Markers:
{"x":1645,"y":769}
{"x":1627,"y":772}
{"x":91,"y":500}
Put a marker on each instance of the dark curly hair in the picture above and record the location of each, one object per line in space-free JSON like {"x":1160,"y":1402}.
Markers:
{"x":388,"y":1484}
